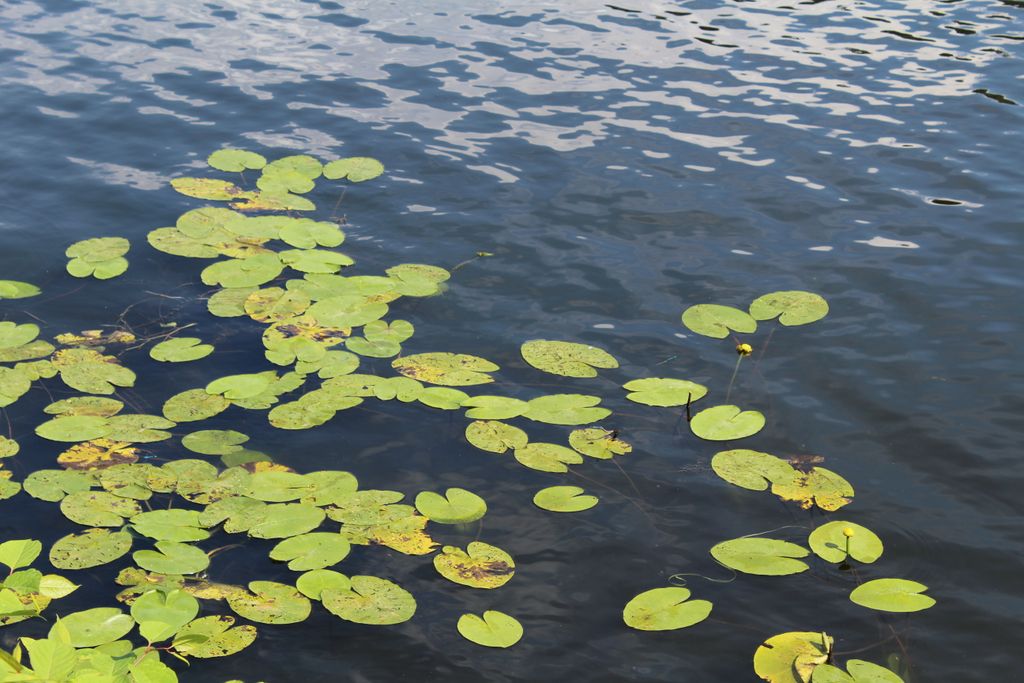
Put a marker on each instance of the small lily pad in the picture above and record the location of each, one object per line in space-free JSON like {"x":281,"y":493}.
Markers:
{"x":269,"y":602}
{"x":791,"y":308}
{"x":235,"y":160}
{"x":714,"y":320}
{"x":456,"y":506}
{"x":665,"y":609}
{"x":172,"y":558}
{"x":483,"y":566}
{"x":726,"y":423}
{"x":311,"y":551}
{"x":356,"y":169}
{"x":214,"y":441}
{"x":494,"y":407}
{"x":180,"y":350}
{"x":493,"y":629}
{"x":313,"y":583}
{"x":564,"y":499}
{"x":496,"y":437}
{"x":566,"y":409}
{"x":370,"y":600}
{"x":100,"y":257}
{"x":835,"y":541}
{"x":13,"y":289}
{"x":761,"y":556}
{"x":447,"y":369}
{"x":568,"y":359}
{"x":213,"y":636}
{"x":547,"y":457}
{"x":598,"y":443}
{"x":892,"y":595}
{"x":194,"y":405}
{"x":664,"y":392}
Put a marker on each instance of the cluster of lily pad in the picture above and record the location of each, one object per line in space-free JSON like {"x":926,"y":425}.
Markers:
{"x":284,"y":273}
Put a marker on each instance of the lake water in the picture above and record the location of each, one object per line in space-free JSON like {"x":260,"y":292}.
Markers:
{"x":620,"y":163}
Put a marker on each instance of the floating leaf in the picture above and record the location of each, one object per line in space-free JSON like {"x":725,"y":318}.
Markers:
{"x":53,"y":485}
{"x":214,"y":441}
{"x":286,"y":520}
{"x":13,"y":289}
{"x":494,"y":407}
{"x":98,"y":508}
{"x":311,"y":551}
{"x":91,"y":548}
{"x":665,"y":609}
{"x":235,"y":160}
{"x":213,"y":636}
{"x":100,"y":257}
{"x":564,"y":499}
{"x":598,"y":443}
{"x":273,"y":201}
{"x":13,"y":334}
{"x":370,"y":600}
{"x":664,"y":392}
{"x":456,"y":506}
{"x":303,"y":164}
{"x":94,"y":627}
{"x":237,"y":387}
{"x":494,"y":629}
{"x":751,"y":470}
{"x":230,"y":302}
{"x":170,"y":525}
{"x":483,"y":566}
{"x":32,"y":350}
{"x":892,"y":595}
{"x":566,"y":358}
{"x":269,"y":602}
{"x":566,"y":409}
{"x":313,"y":583}
{"x":209,"y":188}
{"x":713,"y":320}
{"x":274,"y":304}
{"x":860,"y":671}
{"x":180,"y":350}
{"x":98,"y":454}
{"x":172,"y":558}
{"x":496,"y":437}
{"x":309,"y":234}
{"x":160,"y":615}
{"x":778,"y":659}
{"x":356,"y":169}
{"x":20,"y":553}
{"x":726,"y":423}
{"x":349,"y":310}
{"x":248,"y":272}
{"x":139,"y":428}
{"x":819,"y":486}
{"x":792,"y":308}
{"x":13,"y":385}
{"x":547,"y":457}
{"x":85,"y":405}
{"x":835,"y":541}
{"x":91,"y":371}
{"x":8,"y":447}
{"x":761,"y":556}
{"x":194,"y":405}
{"x":447,"y":369}
{"x":442,"y":398}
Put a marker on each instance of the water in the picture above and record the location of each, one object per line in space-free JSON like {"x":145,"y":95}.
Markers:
{"x":621,"y":163}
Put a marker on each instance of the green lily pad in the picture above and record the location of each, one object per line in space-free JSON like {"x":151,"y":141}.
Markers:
{"x":13,"y":385}
{"x":213,"y":636}
{"x":247,"y":272}
{"x":170,"y":525}
{"x":494,"y":407}
{"x":288,"y":519}
{"x":230,"y":302}
{"x":138,"y":428}
{"x":456,"y":506}
{"x":493,"y":629}
{"x":481,"y":565}
{"x":442,"y":398}
{"x":160,"y":615}
{"x":94,"y":627}
{"x":819,"y":486}
{"x":240,"y":387}
{"x":751,"y":470}
{"x":32,"y":350}
{"x":171,"y":557}
{"x":8,"y":447}
{"x":564,"y":499}
{"x":547,"y":457}
{"x":101,"y":257}
{"x":835,"y":541}
{"x":92,"y":372}
{"x":892,"y":595}
{"x":214,"y":441}
{"x":194,"y":405}
{"x":665,"y":609}
{"x":356,"y":169}
{"x":91,"y":548}
{"x":791,"y":657}
{"x":274,"y":304}
{"x":370,"y":600}
{"x":311,"y":551}
{"x":85,"y":405}
{"x":208,"y":188}
{"x":98,"y":508}
{"x":313,"y":583}
{"x":496,"y":437}
{"x":726,"y":423}
{"x":566,"y":409}
{"x":13,"y":289}
{"x":761,"y":556}
{"x":566,"y":358}
{"x":269,"y":602}
{"x":303,"y":164}
{"x":664,"y":392}
{"x":791,"y":308}
{"x":347,"y":311}
{"x":714,"y":320}
{"x":13,"y":334}
{"x":598,"y":443}
{"x":235,"y":160}
{"x":180,"y":350}
{"x":308,"y":234}
{"x":315,"y":260}
{"x":19,"y":553}
{"x":53,"y":485}
{"x":859,"y":670}
{"x":446,"y":369}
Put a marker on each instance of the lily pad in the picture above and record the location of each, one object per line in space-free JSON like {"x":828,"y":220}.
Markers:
{"x":85,"y":405}
{"x":547,"y":457}
{"x":346,"y":311}
{"x":665,"y":609}
{"x":287,"y":519}
{"x":859,"y":670}
{"x":566,"y":409}
{"x":456,"y":506}
{"x":53,"y":485}
{"x":313,"y":583}
{"x":101,"y":257}
{"x":247,"y":272}
{"x":230,"y":302}
{"x":892,"y":595}
{"x":726,"y":423}
{"x":714,"y":320}
{"x":170,"y":525}
{"x":598,"y":443}
{"x":496,"y":437}
{"x":214,"y":441}
{"x":664,"y":392}
{"x":494,"y":407}
{"x":749,"y":469}
{"x":493,"y":629}
{"x":819,"y":486}
{"x":91,"y":548}
{"x":180,"y":350}
{"x":98,"y":454}
{"x":791,"y":307}
{"x":566,"y":358}
{"x":269,"y":602}
{"x":447,"y":369}
{"x":13,"y":385}
{"x":838,"y":540}
{"x":209,"y":188}
{"x":98,"y":508}
{"x":356,"y":169}
{"x":370,"y":600}
{"x":564,"y":499}
{"x":94,"y":627}
{"x":14,"y":289}
{"x":13,"y":334}
{"x":791,"y":657}
{"x":235,"y":160}
{"x":171,"y":557}
{"x":194,"y":405}
{"x":311,"y":551}
{"x":309,"y":234}
{"x":213,"y":636}
{"x":761,"y":556}
{"x":91,"y":371}
{"x":481,"y":565}
{"x":160,"y":615}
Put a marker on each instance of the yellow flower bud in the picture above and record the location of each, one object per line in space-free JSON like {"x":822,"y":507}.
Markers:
{"x":744,"y":349}
{"x":848,"y":532}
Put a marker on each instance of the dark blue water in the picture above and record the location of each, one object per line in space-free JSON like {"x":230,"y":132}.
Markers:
{"x":621,"y":163}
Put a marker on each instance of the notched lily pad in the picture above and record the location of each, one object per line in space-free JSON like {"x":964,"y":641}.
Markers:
{"x":664,"y":392}
{"x":665,"y":609}
{"x":235,"y":160}
{"x":180,"y":350}
{"x":598,"y":443}
{"x":791,"y":657}
{"x":483,"y":566}
{"x":370,"y":600}
{"x":496,"y":437}
{"x":446,"y":369}
{"x":892,"y":595}
{"x":493,"y":629}
{"x":726,"y":423}
{"x":91,"y":548}
{"x":791,"y":307}
{"x":568,"y":359}
{"x":714,"y":320}
{"x":761,"y":556}
{"x":456,"y":506}
{"x":836,"y":541}
{"x":356,"y":169}
{"x":100,"y":257}
{"x":564,"y":499}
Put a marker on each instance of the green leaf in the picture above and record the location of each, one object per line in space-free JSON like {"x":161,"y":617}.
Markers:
{"x":311,"y":551}
{"x":664,"y":392}
{"x":713,"y":320}
{"x":859,"y":672}
{"x":98,"y":508}
{"x":52,"y":660}
{"x":456,"y":506}
{"x":248,"y":272}
{"x":303,"y":164}
{"x":547,"y":457}
{"x":479,"y":566}
{"x":235,"y":160}
{"x":496,"y":437}
{"x":791,"y":657}
{"x":309,"y":234}
{"x":240,"y":387}
{"x":356,"y":169}
{"x":209,"y":188}
{"x":566,"y":409}
{"x":792,"y":307}
{"x":442,"y":398}
{"x":494,"y":629}
{"x":100,"y":257}
{"x":92,"y":372}
{"x":20,"y":553}
{"x":13,"y":385}
{"x":370,"y":600}
{"x":98,"y":626}
{"x":751,"y":470}
{"x":160,"y":615}
{"x":8,"y":447}
{"x":598,"y":443}
{"x":269,"y":602}
{"x":170,"y":525}
{"x":892,"y":595}
{"x":563,"y":499}
{"x":13,"y":334}
{"x":447,"y":369}
{"x":91,"y":548}
{"x":819,"y":486}
{"x":349,"y":310}
{"x":274,"y":304}
{"x":665,"y":609}
{"x":761,"y":556}
{"x":835,"y":541}
{"x":138,"y":428}
{"x":85,"y":405}
{"x":494,"y":407}
{"x":230,"y":302}
{"x":194,"y":405}
{"x":172,"y":558}
{"x":13,"y":289}
{"x":313,"y":583}
{"x":213,"y":636}
{"x":180,"y":350}
{"x":726,"y":423}
{"x":566,"y":358}
{"x":288,"y":519}
{"x":214,"y":441}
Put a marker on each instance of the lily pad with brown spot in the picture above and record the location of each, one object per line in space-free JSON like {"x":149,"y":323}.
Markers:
{"x":481,"y":565}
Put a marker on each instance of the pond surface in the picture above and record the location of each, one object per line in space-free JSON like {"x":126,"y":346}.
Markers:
{"x":621,"y":164}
